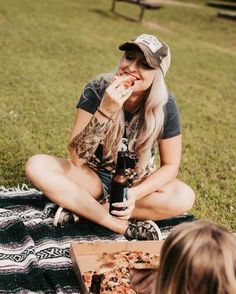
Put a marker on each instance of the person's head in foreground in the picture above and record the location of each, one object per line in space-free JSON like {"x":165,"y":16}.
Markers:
{"x":198,"y":258}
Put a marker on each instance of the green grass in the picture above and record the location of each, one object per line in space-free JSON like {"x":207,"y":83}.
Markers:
{"x":50,"y":49}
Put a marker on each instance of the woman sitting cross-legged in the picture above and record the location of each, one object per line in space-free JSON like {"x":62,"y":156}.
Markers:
{"x":127,"y":110}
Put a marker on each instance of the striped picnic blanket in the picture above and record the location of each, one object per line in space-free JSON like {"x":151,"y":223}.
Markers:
{"x":34,"y":255}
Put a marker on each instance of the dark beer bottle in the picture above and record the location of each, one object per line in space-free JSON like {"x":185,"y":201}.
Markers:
{"x":95,"y":284}
{"x":119,"y":183}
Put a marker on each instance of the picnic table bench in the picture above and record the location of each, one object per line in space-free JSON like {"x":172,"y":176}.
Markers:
{"x":143,"y":4}
{"x":222,"y":4}
{"x":228,"y":6}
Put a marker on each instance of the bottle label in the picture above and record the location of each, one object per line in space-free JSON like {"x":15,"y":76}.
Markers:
{"x":119,"y":193}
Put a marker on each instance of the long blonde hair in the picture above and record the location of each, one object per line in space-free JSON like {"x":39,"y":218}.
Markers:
{"x":148,"y":128}
{"x":198,"y":258}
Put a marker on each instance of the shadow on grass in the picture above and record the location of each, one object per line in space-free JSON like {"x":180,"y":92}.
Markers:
{"x":109,"y":14}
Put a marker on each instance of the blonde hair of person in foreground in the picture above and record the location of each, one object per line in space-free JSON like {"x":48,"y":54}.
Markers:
{"x":198,"y":258}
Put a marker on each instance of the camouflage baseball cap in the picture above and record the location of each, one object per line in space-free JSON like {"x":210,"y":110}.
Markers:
{"x":155,"y":51}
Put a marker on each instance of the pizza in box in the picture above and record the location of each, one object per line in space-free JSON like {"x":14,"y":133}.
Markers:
{"x":112,"y":273}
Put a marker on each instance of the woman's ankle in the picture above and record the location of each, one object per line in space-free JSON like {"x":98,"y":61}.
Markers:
{"x":114,"y":224}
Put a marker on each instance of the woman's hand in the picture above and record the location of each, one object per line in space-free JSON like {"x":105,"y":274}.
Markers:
{"x":129,"y":206}
{"x":116,"y":94}
{"x":143,"y":281}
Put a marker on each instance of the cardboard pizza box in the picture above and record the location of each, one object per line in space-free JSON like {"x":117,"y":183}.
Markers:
{"x":84,"y":254}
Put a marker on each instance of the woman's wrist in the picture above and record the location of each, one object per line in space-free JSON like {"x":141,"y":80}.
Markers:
{"x":108,"y":116}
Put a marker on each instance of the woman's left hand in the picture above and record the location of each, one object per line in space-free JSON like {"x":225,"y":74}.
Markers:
{"x":129,"y":206}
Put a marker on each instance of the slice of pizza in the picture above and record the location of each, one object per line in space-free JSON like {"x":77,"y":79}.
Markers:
{"x":128,"y":83}
{"x":130,"y":80}
{"x":145,"y":261}
{"x":114,"y":270}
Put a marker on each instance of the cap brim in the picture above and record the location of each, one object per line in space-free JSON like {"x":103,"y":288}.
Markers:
{"x":131,"y":45}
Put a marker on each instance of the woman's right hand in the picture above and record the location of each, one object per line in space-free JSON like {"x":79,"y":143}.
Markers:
{"x":127,"y":205}
{"x":116,"y":94}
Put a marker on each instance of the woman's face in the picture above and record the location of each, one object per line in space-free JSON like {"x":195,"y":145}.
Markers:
{"x":134,"y":64}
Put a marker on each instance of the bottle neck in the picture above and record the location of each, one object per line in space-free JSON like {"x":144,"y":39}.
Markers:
{"x":121,"y":161}
{"x":95,"y":284}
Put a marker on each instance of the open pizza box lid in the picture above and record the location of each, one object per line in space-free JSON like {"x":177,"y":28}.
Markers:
{"x":84,"y":254}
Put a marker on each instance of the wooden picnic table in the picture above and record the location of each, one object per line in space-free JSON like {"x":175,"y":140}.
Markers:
{"x":143,"y":4}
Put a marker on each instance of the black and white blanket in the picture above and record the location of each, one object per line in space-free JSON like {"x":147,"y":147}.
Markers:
{"x":34,"y":255}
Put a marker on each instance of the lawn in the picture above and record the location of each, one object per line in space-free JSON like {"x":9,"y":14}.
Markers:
{"x":49,"y":50}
